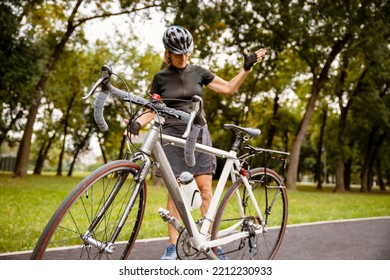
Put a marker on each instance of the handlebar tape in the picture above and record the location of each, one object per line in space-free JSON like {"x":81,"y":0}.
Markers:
{"x":123,"y":95}
{"x":189,"y":148}
{"x":98,"y":112}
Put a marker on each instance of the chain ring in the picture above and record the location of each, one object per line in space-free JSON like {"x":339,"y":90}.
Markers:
{"x":185,"y":250}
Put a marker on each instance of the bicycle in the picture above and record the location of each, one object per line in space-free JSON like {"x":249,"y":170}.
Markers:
{"x":107,"y":207}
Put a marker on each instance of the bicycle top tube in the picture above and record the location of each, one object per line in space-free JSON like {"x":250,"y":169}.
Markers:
{"x":171,"y":140}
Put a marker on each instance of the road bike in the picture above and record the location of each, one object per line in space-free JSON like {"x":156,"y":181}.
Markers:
{"x":101,"y":217}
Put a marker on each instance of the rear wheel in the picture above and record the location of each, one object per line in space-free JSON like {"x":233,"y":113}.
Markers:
{"x":237,"y":213}
{"x":85,"y":222}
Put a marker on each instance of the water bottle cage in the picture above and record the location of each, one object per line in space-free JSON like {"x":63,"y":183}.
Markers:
{"x":194,"y":197}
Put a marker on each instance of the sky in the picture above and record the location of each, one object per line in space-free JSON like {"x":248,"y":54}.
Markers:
{"x":149,"y":32}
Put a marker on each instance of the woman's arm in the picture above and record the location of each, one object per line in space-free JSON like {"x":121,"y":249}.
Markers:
{"x":146,"y":118}
{"x":219,"y":85}
{"x":134,"y":128}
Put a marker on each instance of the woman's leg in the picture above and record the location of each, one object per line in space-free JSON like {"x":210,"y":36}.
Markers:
{"x":204,"y":183}
{"x":205,"y":186}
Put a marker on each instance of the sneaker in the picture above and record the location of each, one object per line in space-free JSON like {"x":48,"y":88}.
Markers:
{"x":221,"y":254}
{"x":170,"y":253}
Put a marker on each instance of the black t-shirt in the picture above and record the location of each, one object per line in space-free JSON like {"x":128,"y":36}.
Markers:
{"x":173,"y":84}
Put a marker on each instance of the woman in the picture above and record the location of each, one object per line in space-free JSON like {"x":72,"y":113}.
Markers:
{"x":177,"y":82}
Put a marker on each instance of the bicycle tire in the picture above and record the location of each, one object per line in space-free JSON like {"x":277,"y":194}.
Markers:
{"x":76,"y":213}
{"x":228,"y":213}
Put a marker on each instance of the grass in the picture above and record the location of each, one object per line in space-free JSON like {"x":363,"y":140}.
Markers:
{"x":28,"y":203}
{"x":309,"y":205}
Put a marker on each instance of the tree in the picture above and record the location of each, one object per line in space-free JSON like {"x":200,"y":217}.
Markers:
{"x":320,"y":147}
{"x":71,"y":23}
{"x":45,"y":136}
{"x":378,"y":130}
{"x":342,"y":93}
{"x":317,"y":53}
{"x":319,"y":60}
{"x":22,"y":58}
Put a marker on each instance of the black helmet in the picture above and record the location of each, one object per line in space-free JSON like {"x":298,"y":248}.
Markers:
{"x":178,"y":40}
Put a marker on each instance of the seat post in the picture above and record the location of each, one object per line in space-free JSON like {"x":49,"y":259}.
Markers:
{"x":237,"y":142}
{"x":241,"y":134}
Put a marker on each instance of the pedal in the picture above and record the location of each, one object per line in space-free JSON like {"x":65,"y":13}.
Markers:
{"x":164,"y":214}
{"x":166,"y":217}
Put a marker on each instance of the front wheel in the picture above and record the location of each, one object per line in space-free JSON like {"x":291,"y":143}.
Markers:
{"x":85,"y":223}
{"x":237,"y":214}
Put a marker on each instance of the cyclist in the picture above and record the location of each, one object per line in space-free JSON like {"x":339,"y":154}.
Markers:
{"x":181,"y":80}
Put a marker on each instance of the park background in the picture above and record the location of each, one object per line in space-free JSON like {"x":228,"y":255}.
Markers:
{"x":321,"y":93}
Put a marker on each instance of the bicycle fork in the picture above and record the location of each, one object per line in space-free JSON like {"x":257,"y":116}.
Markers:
{"x":108,"y":247}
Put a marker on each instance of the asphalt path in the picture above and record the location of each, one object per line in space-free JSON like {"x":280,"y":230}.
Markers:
{"x":360,"y":239}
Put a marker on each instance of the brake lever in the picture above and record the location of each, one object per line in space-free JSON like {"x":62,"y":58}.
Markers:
{"x":189,"y":124}
{"x":197,"y":105}
{"x":105,"y":75}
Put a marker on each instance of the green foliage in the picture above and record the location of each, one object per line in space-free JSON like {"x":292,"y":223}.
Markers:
{"x":300,"y":37}
{"x":22,"y":59}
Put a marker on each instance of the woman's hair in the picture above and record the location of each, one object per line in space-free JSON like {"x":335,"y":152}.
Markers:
{"x":167,"y":59}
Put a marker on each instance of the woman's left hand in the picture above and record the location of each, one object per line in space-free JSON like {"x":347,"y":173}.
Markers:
{"x":252,"y":58}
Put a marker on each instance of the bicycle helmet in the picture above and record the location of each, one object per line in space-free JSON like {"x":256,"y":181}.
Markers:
{"x":178,"y":40}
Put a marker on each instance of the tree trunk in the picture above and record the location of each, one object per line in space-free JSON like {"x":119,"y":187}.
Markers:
{"x":376,"y":148}
{"x":286,"y":140}
{"x":340,"y":171}
{"x":70,"y":171}
{"x":368,"y":159}
{"x":272,"y":130}
{"x":380,"y":180}
{"x":40,"y":160}
{"x":23,"y":156}
{"x":292,"y":171}
{"x":102,"y":150}
{"x":347,"y":174}
{"x":365,"y":171}
{"x":62,"y":152}
{"x":319,"y":165}
{"x":43,"y":155}
{"x":66,"y":125}
{"x":122,"y":148}
{"x":340,"y":167}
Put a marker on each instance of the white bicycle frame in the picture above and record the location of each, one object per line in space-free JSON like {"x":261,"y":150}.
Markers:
{"x":152,"y":145}
{"x":152,"y":149}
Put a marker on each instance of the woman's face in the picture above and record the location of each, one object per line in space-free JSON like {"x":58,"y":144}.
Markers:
{"x":179,"y":60}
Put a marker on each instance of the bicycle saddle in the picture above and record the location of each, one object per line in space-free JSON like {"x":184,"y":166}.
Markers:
{"x":254,"y":132}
